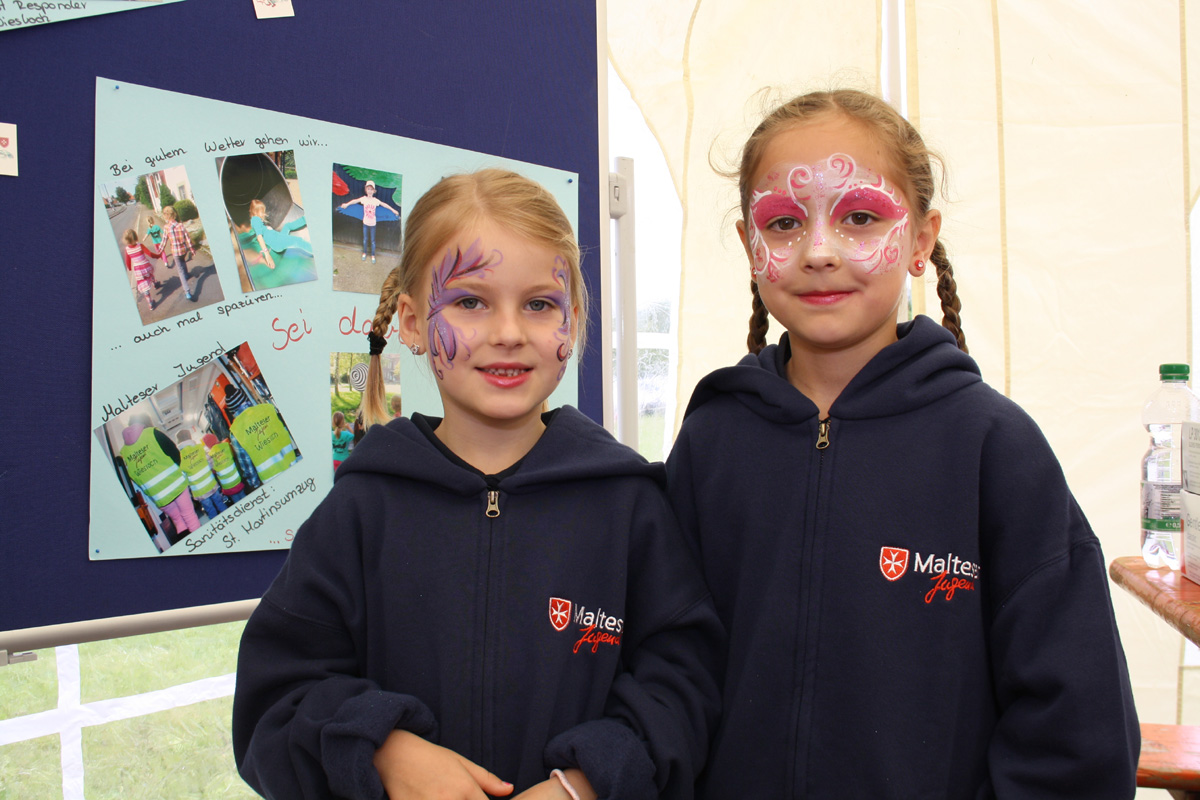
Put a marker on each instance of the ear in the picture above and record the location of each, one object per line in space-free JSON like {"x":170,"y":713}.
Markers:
{"x":741,"y":229}
{"x":409,"y":317}
{"x":927,"y":236}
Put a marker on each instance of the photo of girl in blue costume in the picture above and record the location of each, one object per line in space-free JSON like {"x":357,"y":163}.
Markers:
{"x":267,"y":226}
{"x":916,"y":605}
{"x":455,"y":619}
{"x":365,"y":226}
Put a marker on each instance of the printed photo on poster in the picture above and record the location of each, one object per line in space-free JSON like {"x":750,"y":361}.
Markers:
{"x":347,"y":389}
{"x":162,"y":243}
{"x":268,"y":231}
{"x":187,"y":454}
{"x":366,"y":227}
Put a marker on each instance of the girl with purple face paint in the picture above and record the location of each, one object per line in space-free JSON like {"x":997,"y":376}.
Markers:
{"x":457,"y":619}
{"x":916,"y":606}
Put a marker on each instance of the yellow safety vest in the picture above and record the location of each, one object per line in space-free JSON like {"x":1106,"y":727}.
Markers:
{"x":226,"y":465}
{"x":195,"y":465}
{"x":261,"y":433}
{"x":153,"y":470}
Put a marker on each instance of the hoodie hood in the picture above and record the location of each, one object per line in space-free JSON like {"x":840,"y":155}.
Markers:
{"x":923,"y":366}
{"x":573,"y":447}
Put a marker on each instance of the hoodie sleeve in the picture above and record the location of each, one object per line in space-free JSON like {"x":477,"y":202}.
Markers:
{"x":1067,"y":727}
{"x":305,"y":725}
{"x":665,"y":697}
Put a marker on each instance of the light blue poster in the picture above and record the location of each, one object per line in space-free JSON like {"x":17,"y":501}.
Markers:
{"x":16,"y":14}
{"x":234,"y":285}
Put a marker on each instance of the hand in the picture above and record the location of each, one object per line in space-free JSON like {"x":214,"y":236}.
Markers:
{"x":552,"y":788}
{"x":413,"y":768}
{"x":270,"y":261}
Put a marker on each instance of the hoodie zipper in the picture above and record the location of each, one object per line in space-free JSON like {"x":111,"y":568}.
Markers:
{"x":493,"y":504}
{"x":801,"y":756}
{"x":822,"y":434}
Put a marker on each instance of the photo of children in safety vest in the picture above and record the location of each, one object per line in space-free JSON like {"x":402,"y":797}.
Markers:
{"x":190,"y":452}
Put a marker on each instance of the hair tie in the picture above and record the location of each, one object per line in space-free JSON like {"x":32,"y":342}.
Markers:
{"x":566,"y":784}
{"x":376,"y":342}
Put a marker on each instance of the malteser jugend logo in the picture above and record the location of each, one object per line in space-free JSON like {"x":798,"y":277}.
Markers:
{"x":595,"y":627}
{"x":950,"y":573}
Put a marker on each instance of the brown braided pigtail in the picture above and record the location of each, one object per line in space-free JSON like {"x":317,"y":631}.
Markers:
{"x":373,"y":409}
{"x":947,"y":291}
{"x":756,"y":340}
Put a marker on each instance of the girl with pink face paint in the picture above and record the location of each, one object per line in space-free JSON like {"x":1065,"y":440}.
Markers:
{"x":497,"y":602}
{"x":910,"y":590}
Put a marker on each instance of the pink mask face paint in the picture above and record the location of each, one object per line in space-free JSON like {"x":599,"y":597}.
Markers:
{"x":852,"y":212}
{"x":445,"y":339}
{"x":563,"y":300}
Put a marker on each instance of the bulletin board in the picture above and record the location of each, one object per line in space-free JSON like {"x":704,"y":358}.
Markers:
{"x":416,"y":89}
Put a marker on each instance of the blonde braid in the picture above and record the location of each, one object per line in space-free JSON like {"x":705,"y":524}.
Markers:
{"x":374,"y":410}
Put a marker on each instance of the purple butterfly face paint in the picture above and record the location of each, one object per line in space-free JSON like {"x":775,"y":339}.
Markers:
{"x":563,"y":300}
{"x":446,"y":339}
{"x":853,"y":212}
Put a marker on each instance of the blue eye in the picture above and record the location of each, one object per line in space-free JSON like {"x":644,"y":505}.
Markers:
{"x":469,"y":303}
{"x":539,"y":305}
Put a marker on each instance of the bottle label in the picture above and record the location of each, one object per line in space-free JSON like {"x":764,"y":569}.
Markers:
{"x":1161,"y":505}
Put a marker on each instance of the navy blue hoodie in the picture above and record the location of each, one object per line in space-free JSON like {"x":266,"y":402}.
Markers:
{"x":555,"y":619}
{"x":918,"y":609}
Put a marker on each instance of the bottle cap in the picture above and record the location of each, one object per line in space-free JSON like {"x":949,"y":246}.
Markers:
{"x":1173,"y":372}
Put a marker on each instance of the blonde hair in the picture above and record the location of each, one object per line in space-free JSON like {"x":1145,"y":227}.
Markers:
{"x":129,"y":236}
{"x":452,"y":205}
{"x":258,"y":208}
{"x":911,"y":161}
{"x":168,"y":213}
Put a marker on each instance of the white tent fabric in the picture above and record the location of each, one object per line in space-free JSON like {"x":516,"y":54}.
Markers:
{"x":1071,"y":133}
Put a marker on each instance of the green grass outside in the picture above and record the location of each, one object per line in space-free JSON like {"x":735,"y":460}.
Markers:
{"x":138,"y":664}
{"x":347,"y":402}
{"x":29,"y":687}
{"x":31,"y":770}
{"x":180,"y":753}
{"x":650,"y":436}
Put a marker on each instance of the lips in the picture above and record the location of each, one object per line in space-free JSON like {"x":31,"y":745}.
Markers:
{"x":505,"y":376}
{"x":823,"y":298}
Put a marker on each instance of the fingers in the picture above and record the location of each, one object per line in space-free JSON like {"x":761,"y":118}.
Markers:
{"x":486,"y":780}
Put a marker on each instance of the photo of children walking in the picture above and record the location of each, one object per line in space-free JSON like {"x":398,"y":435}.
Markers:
{"x":162,"y":241}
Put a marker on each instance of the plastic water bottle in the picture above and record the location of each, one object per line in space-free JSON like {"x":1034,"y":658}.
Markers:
{"x":1168,"y":408}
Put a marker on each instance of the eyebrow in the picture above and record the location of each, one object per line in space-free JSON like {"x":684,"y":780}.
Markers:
{"x":765,"y":208}
{"x":869,"y":198}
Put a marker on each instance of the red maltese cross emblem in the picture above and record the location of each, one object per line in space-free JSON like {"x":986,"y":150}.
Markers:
{"x":560,"y":613}
{"x":893,"y":562}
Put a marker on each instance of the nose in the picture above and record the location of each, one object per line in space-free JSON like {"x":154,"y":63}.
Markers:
{"x":507,"y":328}
{"x":821,"y":251}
